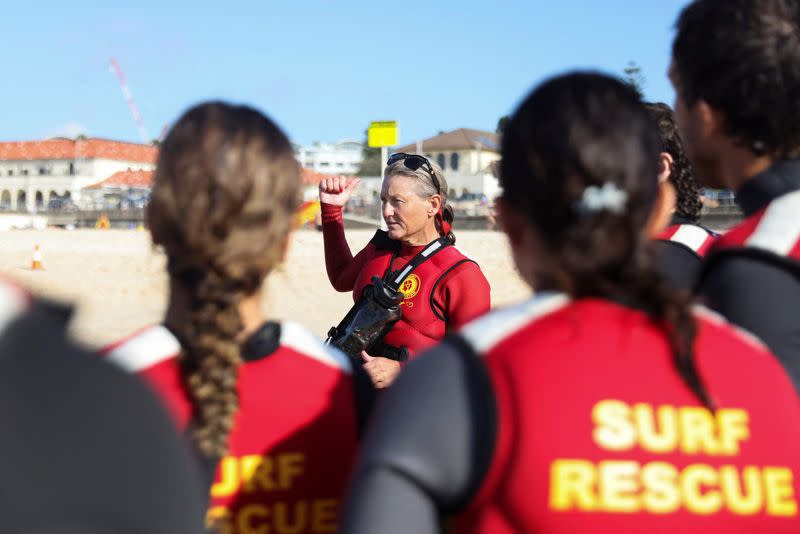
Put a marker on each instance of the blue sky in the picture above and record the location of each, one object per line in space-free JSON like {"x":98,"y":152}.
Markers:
{"x":321,"y":69}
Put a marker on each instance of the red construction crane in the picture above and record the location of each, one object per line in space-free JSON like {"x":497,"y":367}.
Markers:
{"x":129,"y":99}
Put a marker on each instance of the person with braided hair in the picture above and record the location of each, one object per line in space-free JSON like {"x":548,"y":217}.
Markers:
{"x":273,"y":414}
{"x":606,"y":403}
{"x":443,"y":293}
{"x":680,"y":241}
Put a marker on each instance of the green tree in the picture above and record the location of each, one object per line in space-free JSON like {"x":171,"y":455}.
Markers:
{"x":501,"y":124}
{"x":634,"y":77}
{"x":371,"y":164}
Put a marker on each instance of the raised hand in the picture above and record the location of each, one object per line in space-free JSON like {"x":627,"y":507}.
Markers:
{"x":337,"y":190}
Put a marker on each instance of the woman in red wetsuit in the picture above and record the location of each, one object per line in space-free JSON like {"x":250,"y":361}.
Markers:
{"x":273,"y":414}
{"x":443,"y":293}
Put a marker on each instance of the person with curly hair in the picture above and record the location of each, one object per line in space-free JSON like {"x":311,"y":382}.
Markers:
{"x":680,"y":241}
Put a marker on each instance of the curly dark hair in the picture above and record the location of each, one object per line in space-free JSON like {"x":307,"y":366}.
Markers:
{"x":742,"y":57}
{"x":681,"y":175}
{"x":583,"y":130}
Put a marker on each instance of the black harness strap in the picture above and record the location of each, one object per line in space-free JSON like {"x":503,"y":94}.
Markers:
{"x":394,"y":279}
{"x":438,"y":311}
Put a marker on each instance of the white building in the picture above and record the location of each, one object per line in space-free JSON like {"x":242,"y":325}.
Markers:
{"x":467,"y":157}
{"x":343,"y":157}
{"x":121,"y":190}
{"x":32,"y":173}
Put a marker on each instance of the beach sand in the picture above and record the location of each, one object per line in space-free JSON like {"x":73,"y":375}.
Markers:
{"x":116,"y":280}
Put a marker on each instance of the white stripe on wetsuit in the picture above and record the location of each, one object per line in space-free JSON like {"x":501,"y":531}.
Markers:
{"x":156,"y":344}
{"x":778,"y":231}
{"x":690,"y":235}
{"x":145,"y":349}
{"x":487,"y":331}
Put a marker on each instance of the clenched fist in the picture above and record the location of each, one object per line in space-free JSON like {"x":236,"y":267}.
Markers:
{"x":337,"y":190}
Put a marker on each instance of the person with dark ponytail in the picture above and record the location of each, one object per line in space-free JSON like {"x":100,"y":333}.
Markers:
{"x":444,"y":292}
{"x":680,"y":241}
{"x":273,"y":414}
{"x":606,"y":403}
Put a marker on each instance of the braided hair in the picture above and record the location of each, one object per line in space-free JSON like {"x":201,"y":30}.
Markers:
{"x":226,"y":186}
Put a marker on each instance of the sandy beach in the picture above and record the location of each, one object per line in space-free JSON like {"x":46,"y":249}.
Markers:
{"x":116,"y":280}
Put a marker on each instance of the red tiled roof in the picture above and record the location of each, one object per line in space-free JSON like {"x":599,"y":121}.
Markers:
{"x":127,"y":178}
{"x":460,"y":139}
{"x":91,"y":148}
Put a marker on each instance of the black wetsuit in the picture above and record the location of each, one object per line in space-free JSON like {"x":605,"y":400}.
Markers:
{"x":756,"y":291}
{"x":446,"y":395}
{"x":85,"y":448}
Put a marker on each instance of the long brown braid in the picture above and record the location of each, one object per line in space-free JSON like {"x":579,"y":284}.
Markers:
{"x":226,"y":186}
{"x":585,"y":130}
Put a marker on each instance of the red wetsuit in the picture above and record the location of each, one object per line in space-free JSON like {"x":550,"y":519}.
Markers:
{"x":293,"y":438}
{"x":773,"y":232}
{"x":443,"y":293}
{"x":561,"y":416}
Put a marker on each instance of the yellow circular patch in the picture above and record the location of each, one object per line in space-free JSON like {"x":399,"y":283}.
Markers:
{"x":410,"y":286}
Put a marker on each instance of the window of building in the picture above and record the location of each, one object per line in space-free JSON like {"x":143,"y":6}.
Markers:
{"x":24,"y":172}
{"x":324,"y":164}
{"x":71,"y":168}
{"x":454,"y":161}
{"x":11,"y":172}
{"x":440,"y":160}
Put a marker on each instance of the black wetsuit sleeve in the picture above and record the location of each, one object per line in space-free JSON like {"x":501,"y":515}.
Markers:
{"x":761,"y":297}
{"x":679,"y":264}
{"x":428,"y":448}
{"x":86,"y":447}
{"x":365,"y":396}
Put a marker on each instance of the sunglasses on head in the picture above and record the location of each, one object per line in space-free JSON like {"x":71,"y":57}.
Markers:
{"x":414,"y":162}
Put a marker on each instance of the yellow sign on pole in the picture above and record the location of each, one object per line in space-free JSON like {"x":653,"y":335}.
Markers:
{"x":382,"y":134}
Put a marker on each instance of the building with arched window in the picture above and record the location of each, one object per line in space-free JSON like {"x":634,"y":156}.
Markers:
{"x":36,"y":174}
{"x":467,"y":156}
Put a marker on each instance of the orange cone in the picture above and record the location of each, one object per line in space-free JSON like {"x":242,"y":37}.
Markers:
{"x":36,"y":264}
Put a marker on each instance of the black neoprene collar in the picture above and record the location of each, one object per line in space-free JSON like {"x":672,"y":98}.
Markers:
{"x":262,"y":342}
{"x":781,"y":178}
